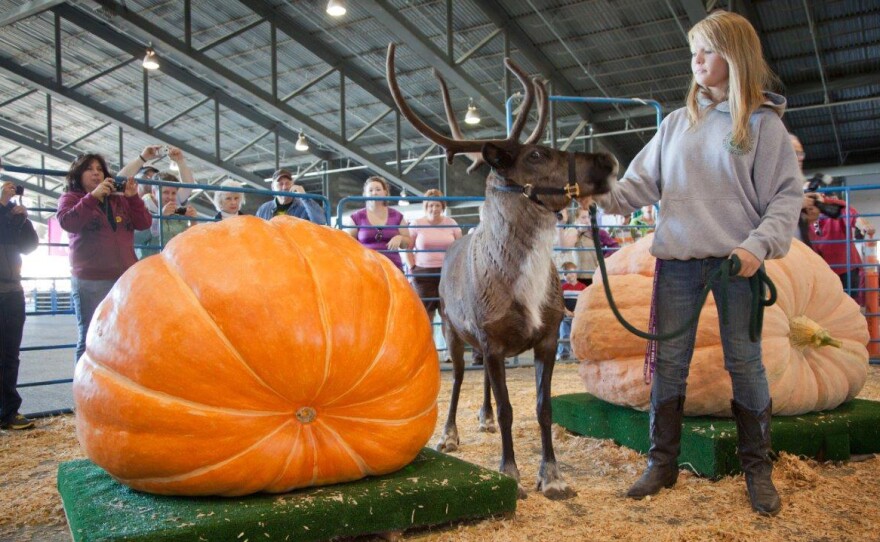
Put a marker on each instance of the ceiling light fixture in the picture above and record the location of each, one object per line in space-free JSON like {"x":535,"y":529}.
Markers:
{"x":403,"y":202}
{"x":472,"y":116}
{"x":301,"y":143}
{"x":336,"y":8}
{"x":151,"y":61}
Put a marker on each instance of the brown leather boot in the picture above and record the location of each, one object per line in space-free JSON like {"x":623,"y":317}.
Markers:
{"x":662,"y":468}
{"x":753,"y":435}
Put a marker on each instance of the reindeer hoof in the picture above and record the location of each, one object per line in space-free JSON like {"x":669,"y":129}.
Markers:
{"x":488,"y":427}
{"x":556,"y":490}
{"x":447,"y":445}
{"x":521,"y":492}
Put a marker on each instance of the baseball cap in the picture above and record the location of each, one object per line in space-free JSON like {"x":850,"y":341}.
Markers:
{"x":145,"y":169}
{"x":282,"y":173}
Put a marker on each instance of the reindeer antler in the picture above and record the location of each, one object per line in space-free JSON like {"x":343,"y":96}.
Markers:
{"x":475,"y":157}
{"x":543,"y":111}
{"x":457,"y":144}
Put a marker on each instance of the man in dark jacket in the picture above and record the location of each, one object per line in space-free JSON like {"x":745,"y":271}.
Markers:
{"x":17,"y":237}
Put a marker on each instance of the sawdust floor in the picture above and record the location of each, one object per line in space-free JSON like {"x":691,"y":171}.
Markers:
{"x":827,"y":502}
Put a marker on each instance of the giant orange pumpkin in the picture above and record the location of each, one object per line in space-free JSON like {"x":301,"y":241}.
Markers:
{"x":256,"y":356}
{"x":805,"y":370}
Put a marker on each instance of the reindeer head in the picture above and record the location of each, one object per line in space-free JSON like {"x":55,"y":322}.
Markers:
{"x":547,"y":176}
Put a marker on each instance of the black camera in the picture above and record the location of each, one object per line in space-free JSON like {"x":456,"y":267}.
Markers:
{"x":818,"y":181}
{"x":831,"y":210}
{"x":19,"y":190}
{"x":180,"y":211}
{"x":119,"y":185}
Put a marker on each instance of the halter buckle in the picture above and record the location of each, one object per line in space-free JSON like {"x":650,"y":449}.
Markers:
{"x":572,"y":190}
{"x":527,"y":190}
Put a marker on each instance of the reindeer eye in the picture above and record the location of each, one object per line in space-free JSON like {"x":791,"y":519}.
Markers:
{"x":536,"y":155}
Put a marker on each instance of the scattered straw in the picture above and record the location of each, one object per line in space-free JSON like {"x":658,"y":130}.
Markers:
{"x":821,"y":501}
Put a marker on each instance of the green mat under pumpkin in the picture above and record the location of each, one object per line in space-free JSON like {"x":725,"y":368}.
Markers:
{"x":433,"y":489}
{"x":708,"y":445}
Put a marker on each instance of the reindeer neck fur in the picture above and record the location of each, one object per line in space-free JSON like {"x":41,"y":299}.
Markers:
{"x":514,"y":248}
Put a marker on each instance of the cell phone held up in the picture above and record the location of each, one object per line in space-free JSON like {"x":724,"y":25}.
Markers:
{"x":19,"y":190}
{"x":119,"y":185}
{"x":180,"y":211}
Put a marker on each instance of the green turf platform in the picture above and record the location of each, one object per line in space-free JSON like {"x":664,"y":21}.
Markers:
{"x":433,"y":489}
{"x":708,"y":445}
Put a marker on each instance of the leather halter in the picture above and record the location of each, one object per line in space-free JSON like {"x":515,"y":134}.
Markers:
{"x":530,"y":191}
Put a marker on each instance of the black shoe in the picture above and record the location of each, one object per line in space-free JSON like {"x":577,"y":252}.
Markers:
{"x":17,"y":423}
{"x":753,"y":436}
{"x":662,"y":468}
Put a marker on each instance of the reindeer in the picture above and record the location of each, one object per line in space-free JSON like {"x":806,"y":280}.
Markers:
{"x":499,"y":290}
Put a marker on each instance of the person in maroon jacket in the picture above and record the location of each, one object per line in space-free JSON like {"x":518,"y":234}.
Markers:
{"x":100,"y":218}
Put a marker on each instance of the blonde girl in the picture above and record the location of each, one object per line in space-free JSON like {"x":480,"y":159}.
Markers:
{"x":730,"y":185}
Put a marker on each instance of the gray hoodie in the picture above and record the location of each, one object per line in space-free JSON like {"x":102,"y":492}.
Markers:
{"x":715,"y":197}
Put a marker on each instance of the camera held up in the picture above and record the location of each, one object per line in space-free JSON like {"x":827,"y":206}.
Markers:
{"x":820,"y":180}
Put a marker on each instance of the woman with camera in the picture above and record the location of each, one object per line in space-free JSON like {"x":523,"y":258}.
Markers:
{"x":100,"y":216}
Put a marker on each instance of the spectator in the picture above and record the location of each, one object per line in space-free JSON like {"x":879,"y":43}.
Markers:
{"x":101,"y":222}
{"x":150,"y":239}
{"x":570,"y":288}
{"x":307,"y":209}
{"x":561,"y":252}
{"x":146,"y":172}
{"x":428,"y":235}
{"x":17,"y":237}
{"x":228,"y":204}
{"x":809,"y":210}
{"x":378,"y":226}
{"x":842,"y":227}
{"x":580,"y":237}
{"x":150,"y":171}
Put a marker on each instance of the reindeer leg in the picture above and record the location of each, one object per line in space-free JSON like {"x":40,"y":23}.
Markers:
{"x":449,"y":440}
{"x":495,"y":369}
{"x":550,"y":482}
{"x":486,"y":416}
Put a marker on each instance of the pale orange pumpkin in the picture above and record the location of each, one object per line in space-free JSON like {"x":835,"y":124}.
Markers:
{"x":256,"y":356}
{"x":804,"y":375}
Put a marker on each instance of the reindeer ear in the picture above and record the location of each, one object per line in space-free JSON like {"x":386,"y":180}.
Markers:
{"x":497,"y":157}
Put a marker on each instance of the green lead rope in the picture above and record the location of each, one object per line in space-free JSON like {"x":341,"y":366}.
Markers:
{"x":729,"y":268}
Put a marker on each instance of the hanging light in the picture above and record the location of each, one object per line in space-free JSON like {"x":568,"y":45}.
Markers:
{"x":301,"y":143}
{"x":151,"y":61}
{"x":336,"y":8}
{"x":403,"y":202}
{"x":472,"y":116}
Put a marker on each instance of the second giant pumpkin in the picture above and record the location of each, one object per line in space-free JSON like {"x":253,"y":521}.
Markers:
{"x":256,"y":356}
{"x":804,"y":375}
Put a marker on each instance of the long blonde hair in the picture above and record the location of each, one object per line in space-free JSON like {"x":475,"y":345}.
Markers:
{"x":734,"y":38}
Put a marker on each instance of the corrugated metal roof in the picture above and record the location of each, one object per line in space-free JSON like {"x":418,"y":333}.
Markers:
{"x":626,"y":48}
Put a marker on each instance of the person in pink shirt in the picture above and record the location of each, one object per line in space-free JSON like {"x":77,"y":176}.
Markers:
{"x":431,"y":235}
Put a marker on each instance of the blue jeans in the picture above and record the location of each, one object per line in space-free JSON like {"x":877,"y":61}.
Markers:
{"x":87,"y":295}
{"x":678,"y":292}
{"x":564,"y":348}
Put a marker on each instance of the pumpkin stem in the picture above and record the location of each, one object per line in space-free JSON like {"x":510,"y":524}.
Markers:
{"x":806,"y":332}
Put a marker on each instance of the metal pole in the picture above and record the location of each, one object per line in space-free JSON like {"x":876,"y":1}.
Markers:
{"x":146,"y":97}
{"x":273,"y":36}
{"x":342,"y":103}
{"x":217,"y":129}
{"x":49,"y":120}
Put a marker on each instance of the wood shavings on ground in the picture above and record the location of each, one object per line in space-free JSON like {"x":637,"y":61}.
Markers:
{"x":821,"y":501}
